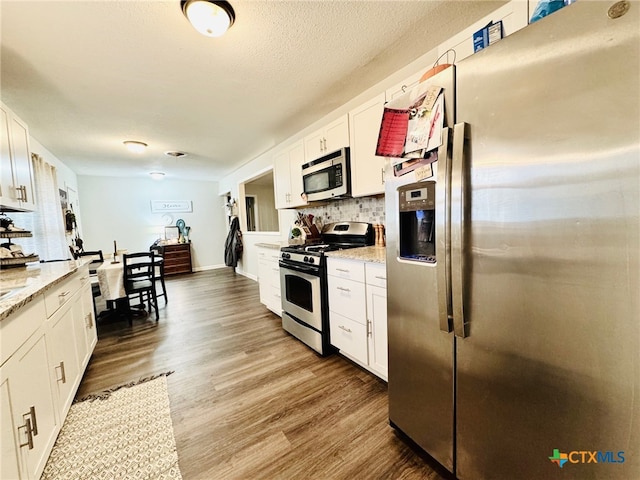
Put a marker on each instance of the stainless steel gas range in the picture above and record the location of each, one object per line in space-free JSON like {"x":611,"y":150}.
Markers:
{"x":303,"y":280}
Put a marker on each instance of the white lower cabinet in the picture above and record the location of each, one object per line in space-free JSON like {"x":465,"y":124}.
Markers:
{"x":64,"y":361}
{"x":358,"y":312}
{"x":29,"y":424}
{"x":269,"y":279}
{"x":46,"y":346}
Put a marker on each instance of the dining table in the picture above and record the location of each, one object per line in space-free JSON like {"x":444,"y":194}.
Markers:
{"x":111,"y":280}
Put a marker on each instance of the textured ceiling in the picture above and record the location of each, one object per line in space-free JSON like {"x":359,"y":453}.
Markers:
{"x":87,"y":75}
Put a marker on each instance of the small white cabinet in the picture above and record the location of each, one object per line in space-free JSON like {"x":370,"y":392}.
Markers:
{"x":288,"y":176}
{"x":367,"y":169}
{"x":376,"y":286}
{"x":358,"y":312}
{"x":17,"y":191}
{"x":329,"y":138}
{"x":269,"y":279}
{"x":32,"y":413}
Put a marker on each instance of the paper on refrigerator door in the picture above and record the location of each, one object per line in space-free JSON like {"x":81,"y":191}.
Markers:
{"x":404,"y":115}
{"x":424,"y":132}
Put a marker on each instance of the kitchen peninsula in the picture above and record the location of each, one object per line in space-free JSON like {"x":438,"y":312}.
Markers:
{"x":47,"y":335}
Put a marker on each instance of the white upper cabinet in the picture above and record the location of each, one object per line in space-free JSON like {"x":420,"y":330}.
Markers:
{"x":330,"y":138}
{"x":405,"y":86}
{"x":514,"y":16}
{"x":17,"y":190}
{"x":287,"y":165}
{"x":367,"y":169}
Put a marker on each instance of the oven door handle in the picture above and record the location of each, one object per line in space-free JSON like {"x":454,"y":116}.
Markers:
{"x":315,"y":271}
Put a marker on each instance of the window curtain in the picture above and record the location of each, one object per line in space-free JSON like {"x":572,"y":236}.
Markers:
{"x":48,"y":241}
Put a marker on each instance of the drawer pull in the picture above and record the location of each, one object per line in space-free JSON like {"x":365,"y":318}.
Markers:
{"x":348,"y":330}
{"x":343,"y":289}
{"x":342,"y":270}
{"x":63,"y":376}
{"x":29,"y":431}
{"x":380,"y":277}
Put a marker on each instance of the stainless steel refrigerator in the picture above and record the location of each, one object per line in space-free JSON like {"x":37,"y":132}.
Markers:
{"x":516,"y":353}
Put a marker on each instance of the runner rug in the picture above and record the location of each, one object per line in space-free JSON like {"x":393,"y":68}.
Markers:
{"x":125,"y":432}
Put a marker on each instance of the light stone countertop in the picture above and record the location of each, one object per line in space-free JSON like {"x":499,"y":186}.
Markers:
{"x":274,"y":246}
{"x":365,"y":254}
{"x":23,"y":284}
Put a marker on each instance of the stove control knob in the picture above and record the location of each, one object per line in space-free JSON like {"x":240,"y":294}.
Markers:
{"x":286,"y":255}
{"x":305,"y":259}
{"x":312,"y":260}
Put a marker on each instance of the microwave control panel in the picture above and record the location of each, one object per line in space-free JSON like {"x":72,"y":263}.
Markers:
{"x":417,"y":196}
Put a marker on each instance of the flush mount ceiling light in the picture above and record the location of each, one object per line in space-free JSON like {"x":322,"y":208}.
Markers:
{"x":157,"y":175}
{"x":135,"y":147}
{"x":209,"y":18}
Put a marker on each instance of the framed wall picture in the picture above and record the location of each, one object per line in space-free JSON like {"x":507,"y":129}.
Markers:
{"x":171,"y":233}
{"x":164,"y":206}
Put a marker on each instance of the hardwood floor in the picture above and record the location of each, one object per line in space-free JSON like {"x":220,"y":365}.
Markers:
{"x":247,"y":399}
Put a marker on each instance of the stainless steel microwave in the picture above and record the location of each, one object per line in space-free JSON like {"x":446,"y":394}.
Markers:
{"x":327,"y":177}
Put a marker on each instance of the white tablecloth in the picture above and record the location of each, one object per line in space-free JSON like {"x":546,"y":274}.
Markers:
{"x":111,"y":280}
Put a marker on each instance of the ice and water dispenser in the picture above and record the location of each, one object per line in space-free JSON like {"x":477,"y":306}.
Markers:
{"x":417,"y":221}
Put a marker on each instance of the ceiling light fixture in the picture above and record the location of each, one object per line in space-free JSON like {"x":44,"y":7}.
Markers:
{"x":209,"y":18}
{"x":135,"y":147}
{"x":157,"y":175}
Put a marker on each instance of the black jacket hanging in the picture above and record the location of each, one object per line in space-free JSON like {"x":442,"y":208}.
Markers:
{"x":233,"y":244}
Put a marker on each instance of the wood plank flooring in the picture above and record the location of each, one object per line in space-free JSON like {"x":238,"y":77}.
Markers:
{"x":248,"y":401}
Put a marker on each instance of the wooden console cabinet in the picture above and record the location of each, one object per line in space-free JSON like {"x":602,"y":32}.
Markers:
{"x":177,"y":258}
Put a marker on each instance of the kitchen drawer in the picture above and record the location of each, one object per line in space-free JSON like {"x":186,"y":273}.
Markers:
{"x":376,"y":274}
{"x":349,"y":337}
{"x":349,"y":269}
{"x":19,"y":326}
{"x":61,"y":293}
{"x":348,"y":298}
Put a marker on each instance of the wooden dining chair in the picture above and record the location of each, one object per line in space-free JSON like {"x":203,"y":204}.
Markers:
{"x":139,"y":272}
{"x":159,"y":261}
{"x":96,"y":260}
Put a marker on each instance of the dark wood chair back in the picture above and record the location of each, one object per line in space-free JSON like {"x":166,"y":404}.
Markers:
{"x":96,"y":259}
{"x":140,"y":278}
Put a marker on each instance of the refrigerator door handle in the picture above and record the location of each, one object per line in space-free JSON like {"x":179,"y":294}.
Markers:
{"x":443,"y":233}
{"x":457,"y":229}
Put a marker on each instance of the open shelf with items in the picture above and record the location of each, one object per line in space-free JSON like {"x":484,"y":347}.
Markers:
{"x":17,"y":261}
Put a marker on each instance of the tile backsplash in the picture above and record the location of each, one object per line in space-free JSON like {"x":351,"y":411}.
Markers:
{"x":363,"y":209}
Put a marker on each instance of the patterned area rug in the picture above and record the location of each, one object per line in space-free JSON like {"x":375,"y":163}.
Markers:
{"x":123,"y":433}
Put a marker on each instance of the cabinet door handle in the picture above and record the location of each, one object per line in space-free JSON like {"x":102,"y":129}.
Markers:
{"x":320,"y":144}
{"x":29,"y":432}
{"x":382,"y":174}
{"x":89,"y":318}
{"x":22,"y":193}
{"x":63,"y":376}
{"x":348,"y":330}
{"x":369,"y":328}
{"x":33,"y":421}
{"x":325,"y":144}
{"x":343,"y":289}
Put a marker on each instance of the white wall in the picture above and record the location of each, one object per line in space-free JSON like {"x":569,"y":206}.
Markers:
{"x":119,"y":208}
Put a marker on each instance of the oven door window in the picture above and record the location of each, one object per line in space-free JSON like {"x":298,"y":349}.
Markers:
{"x":299,"y":291}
